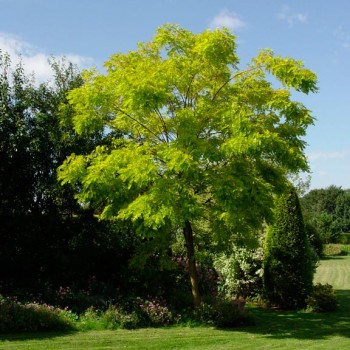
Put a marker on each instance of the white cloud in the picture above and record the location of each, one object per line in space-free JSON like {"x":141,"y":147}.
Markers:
{"x":227,"y":19}
{"x":286,"y":14}
{"x":314,"y":156}
{"x":33,"y":58}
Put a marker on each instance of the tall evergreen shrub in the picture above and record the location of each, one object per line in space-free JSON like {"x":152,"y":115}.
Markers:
{"x":288,"y":263}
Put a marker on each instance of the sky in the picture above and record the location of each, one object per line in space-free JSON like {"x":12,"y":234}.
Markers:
{"x":316,"y":32}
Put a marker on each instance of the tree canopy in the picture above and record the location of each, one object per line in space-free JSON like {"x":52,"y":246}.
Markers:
{"x":46,"y":237}
{"x":199,"y":138}
{"x":328,"y":210}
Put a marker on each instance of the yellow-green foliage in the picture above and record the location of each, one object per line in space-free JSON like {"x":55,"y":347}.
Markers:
{"x":202,"y":138}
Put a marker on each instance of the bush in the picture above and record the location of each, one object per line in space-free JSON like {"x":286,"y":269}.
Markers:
{"x":90,"y":320}
{"x":315,"y":238}
{"x":322,"y":298}
{"x":151,"y":312}
{"x":18,"y":317}
{"x":222,"y":313}
{"x":344,"y":238}
{"x":240,"y":272}
{"x":154,"y":311}
{"x":115,"y":317}
{"x":346,"y":249}
{"x":334,"y":250}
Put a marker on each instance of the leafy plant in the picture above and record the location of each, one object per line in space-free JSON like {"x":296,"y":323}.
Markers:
{"x":17,"y":317}
{"x":90,"y":320}
{"x":222,"y":313}
{"x":115,"y":317}
{"x":155,"y":312}
{"x":240,"y":272}
{"x":315,"y":238}
{"x":335,"y":250}
{"x":322,"y":298}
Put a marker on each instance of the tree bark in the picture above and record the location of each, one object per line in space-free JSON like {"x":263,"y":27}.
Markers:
{"x":188,"y":233}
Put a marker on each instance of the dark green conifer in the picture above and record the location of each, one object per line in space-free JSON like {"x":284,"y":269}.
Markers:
{"x":288,"y":263}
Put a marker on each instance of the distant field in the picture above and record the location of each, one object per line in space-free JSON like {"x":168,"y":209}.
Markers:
{"x":273,"y":330}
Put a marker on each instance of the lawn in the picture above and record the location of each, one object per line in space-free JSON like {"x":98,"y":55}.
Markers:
{"x":336,"y":271}
{"x":273,"y":330}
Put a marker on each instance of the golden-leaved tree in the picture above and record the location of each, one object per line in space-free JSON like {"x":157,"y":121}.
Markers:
{"x":203,"y":140}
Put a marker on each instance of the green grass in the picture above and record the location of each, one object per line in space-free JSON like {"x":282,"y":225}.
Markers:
{"x":335,"y":271}
{"x":273,"y":329}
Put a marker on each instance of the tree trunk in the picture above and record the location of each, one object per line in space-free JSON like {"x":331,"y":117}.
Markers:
{"x":188,"y":233}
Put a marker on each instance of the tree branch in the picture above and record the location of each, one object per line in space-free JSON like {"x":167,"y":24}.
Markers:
{"x":233,"y":77}
{"x":138,"y":122}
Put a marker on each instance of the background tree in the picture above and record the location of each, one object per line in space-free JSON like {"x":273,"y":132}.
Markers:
{"x":203,"y":140}
{"x":328,"y":210}
{"x":45,"y":235}
{"x":288,"y":264}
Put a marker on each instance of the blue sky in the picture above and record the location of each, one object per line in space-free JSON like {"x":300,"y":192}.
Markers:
{"x":314,"y":31}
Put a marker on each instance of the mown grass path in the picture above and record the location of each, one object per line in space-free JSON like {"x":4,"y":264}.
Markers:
{"x":273,"y":329}
{"x":335,"y":271}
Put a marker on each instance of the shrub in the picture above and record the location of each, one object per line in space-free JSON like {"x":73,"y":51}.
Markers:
{"x":150,"y":312}
{"x":90,"y":320}
{"x":115,"y":317}
{"x":344,"y":238}
{"x":223,"y":313}
{"x":334,"y":250}
{"x":79,"y":300}
{"x":240,"y":272}
{"x":17,"y":317}
{"x":207,"y":277}
{"x":154,"y":311}
{"x":346,"y":249}
{"x":322,"y":299}
{"x":288,"y":261}
{"x":315,"y":238}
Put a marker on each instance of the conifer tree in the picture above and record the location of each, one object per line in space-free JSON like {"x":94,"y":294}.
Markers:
{"x":288,"y":264}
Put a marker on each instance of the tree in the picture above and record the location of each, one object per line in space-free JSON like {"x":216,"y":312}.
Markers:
{"x":288,"y":263}
{"x":15,"y":128}
{"x":32,"y":142}
{"x":328,"y":210}
{"x":342,"y":213}
{"x":44,"y":231}
{"x":203,"y":140}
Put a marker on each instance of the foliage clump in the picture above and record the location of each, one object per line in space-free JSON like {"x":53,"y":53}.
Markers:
{"x":335,"y":250}
{"x":223,"y":313}
{"x":328,"y":211}
{"x":288,"y":263}
{"x":322,"y":298}
{"x":315,"y":239}
{"x":240,"y":272}
{"x":137,"y":313}
{"x":30,"y":317}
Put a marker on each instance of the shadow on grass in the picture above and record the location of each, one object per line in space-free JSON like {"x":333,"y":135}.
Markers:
{"x":303,"y":325}
{"x":334,"y":257}
{"x":24,"y":336}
